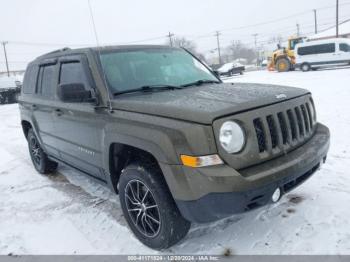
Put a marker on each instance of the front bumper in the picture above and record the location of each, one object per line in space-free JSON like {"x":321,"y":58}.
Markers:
{"x":217,"y":192}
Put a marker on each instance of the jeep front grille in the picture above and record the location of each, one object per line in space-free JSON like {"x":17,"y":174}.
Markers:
{"x":271,"y":131}
{"x":283,"y":129}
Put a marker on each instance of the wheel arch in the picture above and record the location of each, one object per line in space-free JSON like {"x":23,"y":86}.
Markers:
{"x":26,"y":125}
{"x":120,"y":155}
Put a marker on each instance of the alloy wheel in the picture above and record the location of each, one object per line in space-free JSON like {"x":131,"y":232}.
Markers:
{"x":35,"y":150}
{"x":142,"y":208}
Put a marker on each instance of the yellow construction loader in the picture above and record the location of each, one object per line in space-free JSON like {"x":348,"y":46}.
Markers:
{"x":283,"y":59}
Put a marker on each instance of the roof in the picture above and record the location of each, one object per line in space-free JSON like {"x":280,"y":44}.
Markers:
{"x":344,"y":30}
{"x":69,"y":51}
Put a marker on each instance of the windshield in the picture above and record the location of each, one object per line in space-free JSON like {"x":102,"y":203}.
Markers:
{"x":129,"y":69}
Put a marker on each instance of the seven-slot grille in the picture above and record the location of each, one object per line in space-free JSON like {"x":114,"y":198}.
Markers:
{"x":279,"y":131}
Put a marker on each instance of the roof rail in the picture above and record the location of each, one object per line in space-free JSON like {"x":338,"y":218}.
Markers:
{"x":56,"y":51}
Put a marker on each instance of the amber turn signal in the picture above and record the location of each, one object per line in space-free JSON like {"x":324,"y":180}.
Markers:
{"x":201,"y":161}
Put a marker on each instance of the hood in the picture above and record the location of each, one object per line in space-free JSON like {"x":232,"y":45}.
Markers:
{"x":203,"y":104}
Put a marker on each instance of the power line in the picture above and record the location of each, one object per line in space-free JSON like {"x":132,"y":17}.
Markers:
{"x":274,"y":20}
{"x":195,"y":37}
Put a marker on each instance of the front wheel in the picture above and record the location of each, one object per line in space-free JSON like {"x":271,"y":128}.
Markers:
{"x":39,"y":158}
{"x":283,"y":65}
{"x":149,"y":208}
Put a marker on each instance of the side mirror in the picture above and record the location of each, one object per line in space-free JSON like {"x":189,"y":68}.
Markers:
{"x":74,"y":93}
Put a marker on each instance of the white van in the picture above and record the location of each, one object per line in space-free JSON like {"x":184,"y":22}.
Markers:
{"x":316,"y":54}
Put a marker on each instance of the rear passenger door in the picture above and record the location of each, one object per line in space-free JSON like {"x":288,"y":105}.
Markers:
{"x":78,"y":129}
{"x":42,"y":105}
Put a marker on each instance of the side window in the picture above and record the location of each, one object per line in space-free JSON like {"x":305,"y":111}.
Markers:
{"x":326,"y":48}
{"x":316,"y":49}
{"x":306,"y":50}
{"x":29,"y":80}
{"x":46,"y":85}
{"x":73,"y":72}
{"x":344,"y":47}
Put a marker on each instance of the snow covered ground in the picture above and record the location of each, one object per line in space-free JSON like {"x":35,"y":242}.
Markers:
{"x":67,"y":213}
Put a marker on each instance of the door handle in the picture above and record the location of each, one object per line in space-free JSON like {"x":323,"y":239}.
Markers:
{"x":58,"y":112}
{"x":34,"y":107}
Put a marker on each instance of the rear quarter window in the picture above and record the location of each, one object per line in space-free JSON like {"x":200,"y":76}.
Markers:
{"x":30,"y":78}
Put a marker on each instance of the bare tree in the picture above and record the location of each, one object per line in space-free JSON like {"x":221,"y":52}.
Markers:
{"x":276,"y":40}
{"x":189,"y":45}
{"x":185,"y":43}
{"x":238,"y":50}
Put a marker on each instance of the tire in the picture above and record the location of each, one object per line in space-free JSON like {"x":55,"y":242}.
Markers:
{"x":2,"y":99}
{"x":39,"y":158}
{"x":241,"y":73}
{"x":305,"y":67}
{"x":150,"y":203}
{"x":283,"y":65}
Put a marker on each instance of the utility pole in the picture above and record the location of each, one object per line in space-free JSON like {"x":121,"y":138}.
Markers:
{"x":218,"y":43}
{"x":298,"y":29}
{"x":7,"y":64}
{"x":256,"y":48}
{"x":315,"y":16}
{"x":170,"y":35}
{"x":337,"y":18}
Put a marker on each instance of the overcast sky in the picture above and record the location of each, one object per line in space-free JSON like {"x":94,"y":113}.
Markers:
{"x":37,"y":26}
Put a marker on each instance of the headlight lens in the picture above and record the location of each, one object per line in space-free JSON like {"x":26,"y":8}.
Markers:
{"x":232,"y":137}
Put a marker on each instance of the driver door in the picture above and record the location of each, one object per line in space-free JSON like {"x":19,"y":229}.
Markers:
{"x":78,"y":130}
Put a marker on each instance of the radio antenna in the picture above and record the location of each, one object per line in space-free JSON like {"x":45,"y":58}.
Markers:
{"x":109,"y":104}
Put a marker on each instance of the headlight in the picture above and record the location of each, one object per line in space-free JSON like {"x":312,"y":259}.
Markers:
{"x":232,"y":137}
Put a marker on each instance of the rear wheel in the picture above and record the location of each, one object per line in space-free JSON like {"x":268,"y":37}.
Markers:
{"x":305,"y":67}
{"x":39,"y":158}
{"x":149,"y":208}
{"x":283,"y":65}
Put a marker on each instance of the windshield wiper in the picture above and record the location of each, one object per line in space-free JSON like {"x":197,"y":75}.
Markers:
{"x":148,"y":88}
{"x":201,"y":82}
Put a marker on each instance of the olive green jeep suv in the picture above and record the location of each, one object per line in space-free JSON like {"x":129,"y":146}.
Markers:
{"x":159,"y":128}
